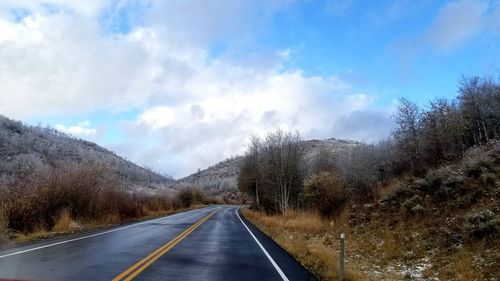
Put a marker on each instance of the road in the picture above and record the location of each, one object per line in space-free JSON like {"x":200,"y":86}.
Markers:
{"x":212,"y":243}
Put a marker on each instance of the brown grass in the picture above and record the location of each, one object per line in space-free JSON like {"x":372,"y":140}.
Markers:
{"x":4,"y":221}
{"x":463,"y":266}
{"x":37,"y":234}
{"x":374,"y":251}
{"x":106,"y":221}
{"x":309,"y":238}
{"x":4,"y":224}
{"x":378,"y":250}
{"x":63,"y":221}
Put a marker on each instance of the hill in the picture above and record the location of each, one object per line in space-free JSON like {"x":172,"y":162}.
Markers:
{"x":223,"y":176}
{"x":27,"y":149}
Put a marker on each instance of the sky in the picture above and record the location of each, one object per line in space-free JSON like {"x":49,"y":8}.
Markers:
{"x":178,"y":85}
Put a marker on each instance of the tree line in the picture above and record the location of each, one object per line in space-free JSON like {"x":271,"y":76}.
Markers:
{"x":276,"y":177}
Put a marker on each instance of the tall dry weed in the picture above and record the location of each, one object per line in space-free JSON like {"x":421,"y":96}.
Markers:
{"x":462,"y":266}
{"x":4,"y":224}
{"x":63,"y":221}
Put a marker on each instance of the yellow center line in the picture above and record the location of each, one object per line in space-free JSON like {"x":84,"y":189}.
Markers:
{"x":149,"y":259}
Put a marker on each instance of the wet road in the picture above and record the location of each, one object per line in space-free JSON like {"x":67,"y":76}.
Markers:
{"x":212,"y":243}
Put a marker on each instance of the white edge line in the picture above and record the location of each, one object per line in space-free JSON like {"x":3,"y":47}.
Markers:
{"x":283,"y":276}
{"x":84,"y":237}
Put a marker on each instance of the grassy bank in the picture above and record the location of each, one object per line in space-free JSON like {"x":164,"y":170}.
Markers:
{"x":311,"y":240}
{"x":444,"y":225}
{"x":378,"y":252}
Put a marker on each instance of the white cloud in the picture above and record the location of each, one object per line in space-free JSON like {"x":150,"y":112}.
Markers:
{"x":195,"y":109}
{"x":456,"y":23}
{"x":82,"y":130}
{"x":217,"y":123}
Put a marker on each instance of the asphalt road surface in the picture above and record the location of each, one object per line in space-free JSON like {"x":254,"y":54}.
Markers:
{"x":212,"y":243}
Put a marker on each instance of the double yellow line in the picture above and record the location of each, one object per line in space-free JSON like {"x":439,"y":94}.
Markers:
{"x":141,"y":265}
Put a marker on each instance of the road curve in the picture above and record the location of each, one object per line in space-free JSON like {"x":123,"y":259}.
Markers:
{"x":212,"y":243}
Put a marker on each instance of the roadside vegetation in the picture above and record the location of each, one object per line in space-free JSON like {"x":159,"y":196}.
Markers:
{"x":81,"y":196}
{"x":54,"y":183}
{"x":422,"y":204}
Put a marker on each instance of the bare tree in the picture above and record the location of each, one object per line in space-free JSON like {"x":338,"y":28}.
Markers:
{"x":249,"y":180}
{"x":406,"y":134}
{"x":271,"y":172}
{"x":480,"y":104}
{"x":284,"y":152}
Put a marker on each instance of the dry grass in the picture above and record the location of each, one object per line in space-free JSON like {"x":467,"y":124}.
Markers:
{"x":37,"y":234}
{"x":4,"y":223}
{"x":63,"y":222}
{"x":376,"y":250}
{"x":106,"y":220}
{"x":463,"y":266}
{"x":309,"y":239}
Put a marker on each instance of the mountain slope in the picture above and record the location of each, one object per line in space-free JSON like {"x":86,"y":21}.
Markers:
{"x":223,"y":176}
{"x":24,"y":149}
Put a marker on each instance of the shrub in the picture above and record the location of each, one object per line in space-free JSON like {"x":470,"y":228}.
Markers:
{"x":422,"y":184}
{"x":326,"y":192}
{"x":476,"y":168}
{"x":444,"y":193}
{"x":85,"y":192}
{"x":413,"y":205}
{"x":401,"y":190}
{"x":488,"y":179}
{"x":436,"y":178}
{"x":190,"y":195}
{"x":480,"y":224}
{"x":418,"y":209}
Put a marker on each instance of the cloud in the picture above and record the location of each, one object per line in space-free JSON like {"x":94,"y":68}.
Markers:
{"x":219,"y":121}
{"x":59,"y":63}
{"x":456,"y":23}
{"x":82,"y":130}
{"x":195,"y":108}
{"x":368,"y":125}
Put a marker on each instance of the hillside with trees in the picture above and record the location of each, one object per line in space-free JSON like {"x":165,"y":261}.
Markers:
{"x":26,"y":149}
{"x":51,"y":182}
{"x":422,"y":204}
{"x":221,"y":179}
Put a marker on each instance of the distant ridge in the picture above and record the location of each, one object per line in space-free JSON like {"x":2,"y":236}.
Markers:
{"x":223,"y":176}
{"x":31,"y":147}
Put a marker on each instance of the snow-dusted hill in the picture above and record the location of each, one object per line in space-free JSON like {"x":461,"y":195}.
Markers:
{"x":223,"y":176}
{"x":26,"y":149}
